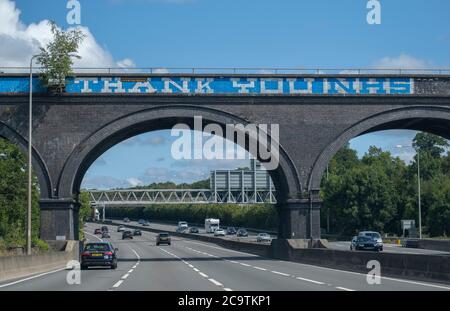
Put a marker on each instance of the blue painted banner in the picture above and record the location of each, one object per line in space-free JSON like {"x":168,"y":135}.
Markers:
{"x":221,"y":85}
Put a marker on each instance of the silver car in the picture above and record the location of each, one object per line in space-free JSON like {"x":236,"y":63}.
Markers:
{"x":263,"y":237}
{"x":219,"y":232}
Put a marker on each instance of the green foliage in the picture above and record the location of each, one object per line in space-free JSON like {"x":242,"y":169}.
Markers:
{"x":201,"y":184}
{"x":377,"y":191}
{"x":41,"y":245}
{"x":259,"y":216}
{"x":55,"y":57}
{"x":13,"y":196}
{"x":85,"y":212}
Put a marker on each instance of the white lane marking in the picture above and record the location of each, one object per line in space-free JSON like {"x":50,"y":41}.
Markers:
{"x":346,"y":289}
{"x":125,"y":276}
{"x":131,"y":270}
{"x":309,"y":280}
{"x":203,"y":275}
{"x":94,"y":236}
{"x":196,"y":270}
{"x":280,"y":273}
{"x":137,"y":255}
{"x":118,"y":284}
{"x":383,"y":277}
{"x":244,"y":264}
{"x":215,"y":282}
{"x":325,"y":268}
{"x":32,"y":277}
{"x":259,"y":268}
{"x":232,"y":261}
{"x":227,"y":289}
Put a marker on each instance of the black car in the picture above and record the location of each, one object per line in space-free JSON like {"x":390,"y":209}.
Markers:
{"x":99,"y":254}
{"x":127,"y":235}
{"x":364,"y":243}
{"x":163,"y":238}
{"x":193,"y":230}
{"x":231,"y":231}
{"x":137,"y":232}
{"x":105,"y":229}
{"x":242,"y":233}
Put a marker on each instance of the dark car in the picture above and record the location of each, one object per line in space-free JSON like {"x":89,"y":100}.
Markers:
{"x":242,"y":233}
{"x":105,"y":229}
{"x":106,"y":235}
{"x":193,"y":230}
{"x":127,"y":235}
{"x":98,"y":231}
{"x":163,"y":238}
{"x":231,"y":231}
{"x":137,"y":232}
{"x":364,"y":243}
{"x":99,"y":254}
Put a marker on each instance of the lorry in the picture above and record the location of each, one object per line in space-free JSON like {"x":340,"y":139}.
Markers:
{"x":96,"y":215}
{"x":182,"y":226}
{"x":211,"y":225}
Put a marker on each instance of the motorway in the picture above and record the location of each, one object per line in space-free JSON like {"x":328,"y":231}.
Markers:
{"x":188,"y":265}
{"x":339,"y":245}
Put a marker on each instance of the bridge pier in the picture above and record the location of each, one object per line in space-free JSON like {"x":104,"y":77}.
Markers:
{"x":59,"y":219}
{"x":300,"y":219}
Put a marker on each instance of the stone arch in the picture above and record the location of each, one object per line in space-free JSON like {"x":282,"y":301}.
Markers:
{"x":432,"y":119}
{"x":285,"y":177}
{"x":6,"y":132}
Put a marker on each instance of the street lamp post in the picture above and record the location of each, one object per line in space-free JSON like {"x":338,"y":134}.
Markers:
{"x":30,"y":125}
{"x":419,"y":201}
{"x":30,"y":132}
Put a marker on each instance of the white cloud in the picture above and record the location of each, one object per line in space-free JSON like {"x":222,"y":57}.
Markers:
{"x":126,"y":63}
{"x":104,"y":182}
{"x":18,"y":42}
{"x":403,"y":61}
{"x":134,"y":181}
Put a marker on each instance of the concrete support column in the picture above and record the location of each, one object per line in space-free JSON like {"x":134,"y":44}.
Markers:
{"x":59,"y":219}
{"x":300,"y":219}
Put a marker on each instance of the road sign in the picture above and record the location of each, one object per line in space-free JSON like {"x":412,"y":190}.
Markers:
{"x":407,"y":224}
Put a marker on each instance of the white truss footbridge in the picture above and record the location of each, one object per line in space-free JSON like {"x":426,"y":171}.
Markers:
{"x":143,"y":197}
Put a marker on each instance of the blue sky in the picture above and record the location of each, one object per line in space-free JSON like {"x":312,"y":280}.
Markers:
{"x":240,"y":33}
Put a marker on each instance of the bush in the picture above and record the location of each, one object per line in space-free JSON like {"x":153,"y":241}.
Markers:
{"x":41,"y":245}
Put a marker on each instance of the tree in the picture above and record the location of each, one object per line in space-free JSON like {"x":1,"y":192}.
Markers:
{"x":55,"y":57}
{"x":430,"y":143}
{"x":85,"y":211}
{"x":13,"y":196}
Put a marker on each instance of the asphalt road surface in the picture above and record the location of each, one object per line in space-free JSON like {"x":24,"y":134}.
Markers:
{"x":188,"y":265}
{"x":341,"y":245}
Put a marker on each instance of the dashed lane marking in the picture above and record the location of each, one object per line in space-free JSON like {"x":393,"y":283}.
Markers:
{"x":344,"y":288}
{"x":215,"y":282}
